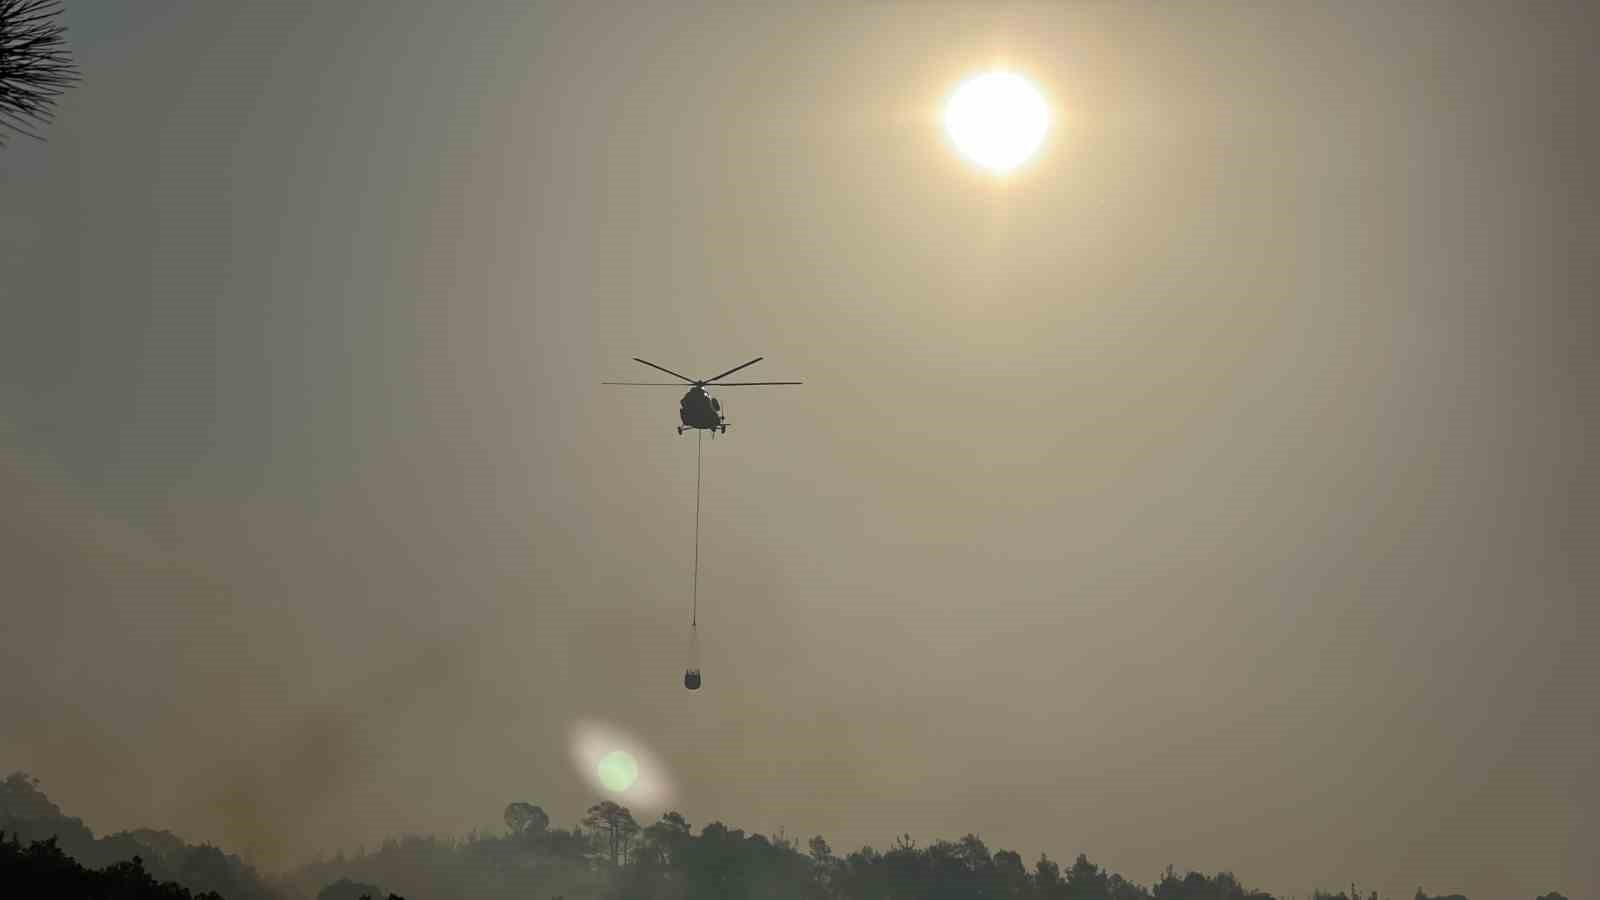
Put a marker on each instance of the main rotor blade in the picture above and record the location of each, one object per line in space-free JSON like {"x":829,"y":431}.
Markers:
{"x":754,"y":383}
{"x":734,"y":369}
{"x":646,"y":383}
{"x":665,"y":369}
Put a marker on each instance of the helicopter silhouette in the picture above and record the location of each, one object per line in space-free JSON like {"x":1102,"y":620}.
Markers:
{"x":699,"y":409}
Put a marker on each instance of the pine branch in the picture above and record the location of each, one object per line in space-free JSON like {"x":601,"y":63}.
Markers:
{"x":35,"y":65}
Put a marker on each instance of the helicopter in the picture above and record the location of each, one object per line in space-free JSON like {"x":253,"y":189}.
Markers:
{"x":699,"y":409}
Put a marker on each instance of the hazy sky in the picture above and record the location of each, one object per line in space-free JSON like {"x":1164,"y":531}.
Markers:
{"x":1217,"y":491}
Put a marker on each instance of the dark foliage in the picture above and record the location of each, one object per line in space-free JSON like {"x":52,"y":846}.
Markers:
{"x":610,"y":857}
{"x":28,"y":814}
{"x":42,"y":869}
{"x":35,"y":67}
{"x":525,"y":818}
{"x":345,"y":889}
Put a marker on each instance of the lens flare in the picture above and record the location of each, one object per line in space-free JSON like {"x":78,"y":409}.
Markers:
{"x":617,"y":770}
{"x":609,"y":760}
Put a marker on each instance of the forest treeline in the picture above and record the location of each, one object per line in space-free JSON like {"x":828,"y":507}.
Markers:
{"x":606,"y":856}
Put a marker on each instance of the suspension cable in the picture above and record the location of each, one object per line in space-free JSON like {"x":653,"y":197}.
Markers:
{"x":694,"y":604}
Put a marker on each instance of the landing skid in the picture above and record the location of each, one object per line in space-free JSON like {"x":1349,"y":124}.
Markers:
{"x":713,"y":429}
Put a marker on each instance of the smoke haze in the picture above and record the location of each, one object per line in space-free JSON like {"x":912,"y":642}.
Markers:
{"x":1218,"y":491}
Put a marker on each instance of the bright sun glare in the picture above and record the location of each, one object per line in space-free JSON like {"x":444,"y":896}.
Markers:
{"x":997,"y":120}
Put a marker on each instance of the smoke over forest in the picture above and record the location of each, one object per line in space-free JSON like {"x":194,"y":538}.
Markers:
{"x":608,"y":855}
{"x":1215,"y":487}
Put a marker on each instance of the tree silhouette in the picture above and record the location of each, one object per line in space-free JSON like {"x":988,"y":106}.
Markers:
{"x":610,"y":858}
{"x":614,"y":825}
{"x":44,"y":870}
{"x":526,"y":819}
{"x":1047,"y":881}
{"x":664,"y":838}
{"x":345,"y":889}
{"x":1085,"y":880}
{"x":35,"y":66}
{"x":1196,"y":886}
{"x":29,"y":815}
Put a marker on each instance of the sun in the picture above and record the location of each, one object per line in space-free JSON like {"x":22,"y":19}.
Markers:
{"x":997,"y":119}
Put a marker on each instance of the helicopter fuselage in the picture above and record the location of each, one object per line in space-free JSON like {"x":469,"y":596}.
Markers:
{"x":698,"y":409}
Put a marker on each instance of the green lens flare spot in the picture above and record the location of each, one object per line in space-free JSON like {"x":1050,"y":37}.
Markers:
{"x":618,"y":770}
